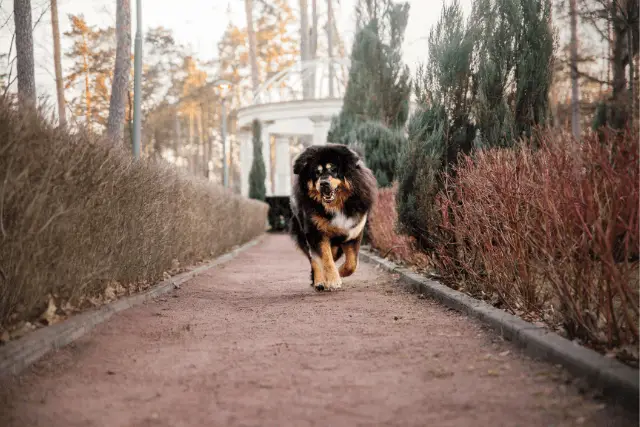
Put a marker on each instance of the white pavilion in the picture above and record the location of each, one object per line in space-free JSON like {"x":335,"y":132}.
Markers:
{"x":292,"y":118}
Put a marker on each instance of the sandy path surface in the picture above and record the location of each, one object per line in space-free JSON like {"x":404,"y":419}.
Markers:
{"x":250,"y":343}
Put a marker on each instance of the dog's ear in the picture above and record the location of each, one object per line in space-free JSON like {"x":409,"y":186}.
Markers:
{"x":352,"y":155}
{"x":301,"y":161}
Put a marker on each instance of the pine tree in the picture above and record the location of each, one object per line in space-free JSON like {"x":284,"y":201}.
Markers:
{"x":380,"y":146}
{"x":533,"y":69}
{"x":258,"y":174}
{"x":495,"y":27}
{"x":379,"y":83}
{"x":514,"y":50}
{"x":440,"y":129}
{"x":93,"y":55}
{"x":378,"y":89}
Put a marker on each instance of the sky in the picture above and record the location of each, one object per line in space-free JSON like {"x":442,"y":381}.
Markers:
{"x":198,"y":24}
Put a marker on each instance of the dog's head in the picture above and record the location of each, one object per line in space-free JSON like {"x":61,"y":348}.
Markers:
{"x":326,"y":170}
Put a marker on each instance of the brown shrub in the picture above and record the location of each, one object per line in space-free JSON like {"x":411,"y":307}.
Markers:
{"x":77,"y":214}
{"x":382,"y":231}
{"x":554,"y":232}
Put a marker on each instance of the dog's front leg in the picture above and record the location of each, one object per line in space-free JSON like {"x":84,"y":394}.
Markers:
{"x":331,"y":274}
{"x":317,"y":272}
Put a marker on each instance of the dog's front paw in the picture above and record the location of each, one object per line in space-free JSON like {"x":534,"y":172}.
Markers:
{"x":333,"y":285}
{"x":319,"y":286}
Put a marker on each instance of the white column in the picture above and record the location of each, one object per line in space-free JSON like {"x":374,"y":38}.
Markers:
{"x":283,"y":166}
{"x":266,"y":155}
{"x":321,"y":127}
{"x":246,"y":160}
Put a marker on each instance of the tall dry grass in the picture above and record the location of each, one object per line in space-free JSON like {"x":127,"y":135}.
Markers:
{"x":77,"y":214}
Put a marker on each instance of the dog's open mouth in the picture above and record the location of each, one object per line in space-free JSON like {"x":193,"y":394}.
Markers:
{"x":328,"y":196}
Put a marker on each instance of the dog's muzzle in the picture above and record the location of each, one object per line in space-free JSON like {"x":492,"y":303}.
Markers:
{"x":328,"y":193}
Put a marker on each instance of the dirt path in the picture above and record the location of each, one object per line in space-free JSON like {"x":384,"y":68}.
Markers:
{"x":251,"y":344}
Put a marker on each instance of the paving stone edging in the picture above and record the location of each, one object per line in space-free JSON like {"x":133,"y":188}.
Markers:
{"x":17,"y":355}
{"x":618,"y":381}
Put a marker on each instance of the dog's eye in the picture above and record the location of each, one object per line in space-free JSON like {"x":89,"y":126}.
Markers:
{"x":329,"y":167}
{"x":319,"y":169}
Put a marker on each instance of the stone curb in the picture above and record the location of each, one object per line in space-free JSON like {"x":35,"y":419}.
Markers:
{"x":618,"y":382}
{"x":17,"y":355}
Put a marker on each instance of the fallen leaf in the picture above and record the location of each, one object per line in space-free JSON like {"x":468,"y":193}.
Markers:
{"x":505,"y":353}
{"x":49,"y":315}
{"x":25,"y":328}
{"x":109,"y":293}
{"x":492,"y":373}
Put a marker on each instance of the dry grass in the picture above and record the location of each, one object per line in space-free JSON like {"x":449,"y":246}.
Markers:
{"x":382,"y":231}
{"x":78,"y":217}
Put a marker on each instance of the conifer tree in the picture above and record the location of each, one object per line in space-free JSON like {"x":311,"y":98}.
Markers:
{"x":257,"y":175}
{"x":376,"y":101}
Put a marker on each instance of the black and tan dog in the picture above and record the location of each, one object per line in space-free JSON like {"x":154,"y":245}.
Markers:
{"x":333,"y":192}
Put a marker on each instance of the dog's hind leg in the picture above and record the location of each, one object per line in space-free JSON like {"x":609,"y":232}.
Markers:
{"x":336,"y":251}
{"x":351,"y":250}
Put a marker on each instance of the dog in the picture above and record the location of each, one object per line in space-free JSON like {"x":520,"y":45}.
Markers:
{"x":332,"y":194}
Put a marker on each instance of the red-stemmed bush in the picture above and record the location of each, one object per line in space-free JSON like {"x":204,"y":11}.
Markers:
{"x":382,"y":231}
{"x":552,"y":232}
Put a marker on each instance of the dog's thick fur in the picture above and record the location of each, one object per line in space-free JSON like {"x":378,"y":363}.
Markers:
{"x":332,"y":195}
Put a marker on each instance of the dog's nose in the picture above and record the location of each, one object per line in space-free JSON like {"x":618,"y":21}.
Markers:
{"x":325,"y":186}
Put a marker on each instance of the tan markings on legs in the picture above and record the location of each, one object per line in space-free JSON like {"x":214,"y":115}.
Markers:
{"x":331,"y":275}
{"x":351,"y":250}
{"x":318,"y":272}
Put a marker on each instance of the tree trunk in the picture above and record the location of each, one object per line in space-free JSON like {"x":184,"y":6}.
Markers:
{"x":121,"y":72}
{"x":305,"y":50}
{"x":87,"y":77}
{"x":313,"y":45}
{"x":330,"y":45}
{"x":575,"y":95}
{"x":255,"y":80}
{"x":62,"y":113}
{"x":618,"y":63}
{"x":631,"y":65}
{"x":24,"y":52}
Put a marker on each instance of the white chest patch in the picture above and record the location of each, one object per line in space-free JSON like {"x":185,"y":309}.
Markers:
{"x":351,"y":226}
